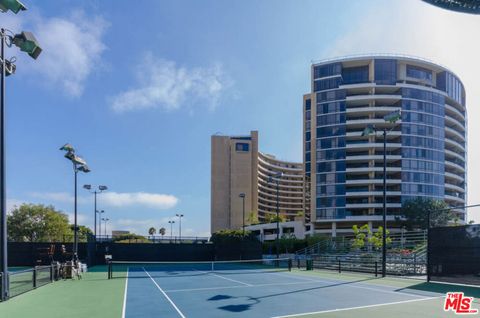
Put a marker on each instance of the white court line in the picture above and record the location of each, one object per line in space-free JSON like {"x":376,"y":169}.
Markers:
{"x":220,"y":276}
{"x":358,"y":307}
{"x":232,"y":287}
{"x":164,"y":294}
{"x":125,"y":295}
{"x":354,"y":285}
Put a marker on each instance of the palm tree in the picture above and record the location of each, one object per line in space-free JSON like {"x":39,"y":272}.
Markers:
{"x":161,"y":231}
{"x":152,"y":231}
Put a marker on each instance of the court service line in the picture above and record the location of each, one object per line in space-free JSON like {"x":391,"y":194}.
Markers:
{"x":164,"y":294}
{"x":220,"y":276}
{"x":125,"y":295}
{"x":231,"y":287}
{"x":358,"y":307}
{"x":354,"y":285}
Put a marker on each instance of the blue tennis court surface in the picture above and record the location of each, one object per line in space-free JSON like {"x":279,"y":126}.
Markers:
{"x":191,"y":292}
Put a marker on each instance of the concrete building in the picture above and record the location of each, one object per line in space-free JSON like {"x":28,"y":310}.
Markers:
{"x":239,"y":167}
{"x":425,"y":149}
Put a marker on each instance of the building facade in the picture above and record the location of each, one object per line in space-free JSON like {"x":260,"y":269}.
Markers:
{"x":465,"y":6}
{"x":238,"y":167}
{"x":425,"y":149}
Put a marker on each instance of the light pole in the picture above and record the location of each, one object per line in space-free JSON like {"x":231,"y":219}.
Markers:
{"x":79,"y":164}
{"x":180,"y":216}
{"x":27,"y":43}
{"x":171,"y":229}
{"x":99,"y":189}
{"x":99,"y":221}
{"x":391,"y":118}
{"x":105,"y":220}
{"x":242,"y":195}
{"x":276,"y":178}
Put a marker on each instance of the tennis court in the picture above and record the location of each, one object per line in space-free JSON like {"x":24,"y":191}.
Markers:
{"x":268,"y":289}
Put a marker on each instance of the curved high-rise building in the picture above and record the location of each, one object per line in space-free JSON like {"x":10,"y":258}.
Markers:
{"x":425,"y":148}
{"x":466,"y":6}
{"x":245,"y":179}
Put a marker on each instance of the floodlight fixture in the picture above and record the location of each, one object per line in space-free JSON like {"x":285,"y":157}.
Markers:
{"x":13,"y":5}
{"x":368,"y":130}
{"x":102,"y":187}
{"x":84,"y":169}
{"x":242,"y":195}
{"x":393,"y":117}
{"x":67,"y":147}
{"x":87,"y":186}
{"x":10,"y":68}
{"x":27,"y":43}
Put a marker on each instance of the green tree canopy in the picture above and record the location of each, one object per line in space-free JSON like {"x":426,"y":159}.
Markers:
{"x":162,"y":231}
{"x":37,"y":223}
{"x":416,"y":212}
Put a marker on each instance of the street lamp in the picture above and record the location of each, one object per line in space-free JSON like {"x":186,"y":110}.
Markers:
{"x":171,"y":229}
{"x":242,"y":195}
{"x":79,"y":164}
{"x":180,"y":226}
{"x":99,"y":222}
{"x":105,"y":220}
{"x":27,"y":43}
{"x":276,"y":178}
{"x":99,"y":189}
{"x":390,"y":118}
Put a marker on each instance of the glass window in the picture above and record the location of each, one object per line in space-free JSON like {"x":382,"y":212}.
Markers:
{"x":354,"y":75}
{"x":332,"y":95}
{"x":327,"y":70}
{"x":419,"y":73}
{"x":308,"y":104}
{"x":240,"y":146}
{"x":385,"y":71}
{"x":328,"y":83}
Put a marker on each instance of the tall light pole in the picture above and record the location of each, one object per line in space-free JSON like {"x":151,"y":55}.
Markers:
{"x":276,"y":178}
{"x":99,"y":221}
{"x":391,"y":118}
{"x":242,"y":195}
{"x":27,"y":43}
{"x":180,"y":216}
{"x":79,"y":164}
{"x":95,"y":191}
{"x":106,"y":220}
{"x":171,"y":229}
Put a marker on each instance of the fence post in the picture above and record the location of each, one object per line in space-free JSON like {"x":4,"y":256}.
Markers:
{"x":35,"y":277}
{"x":339,"y":266}
{"x":376,"y":269}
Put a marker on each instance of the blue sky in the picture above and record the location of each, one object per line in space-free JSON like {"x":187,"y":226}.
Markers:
{"x":139,"y":89}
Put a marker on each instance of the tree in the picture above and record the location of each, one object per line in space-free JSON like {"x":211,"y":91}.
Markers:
{"x":363,"y":236}
{"x":37,"y":223}
{"x":162,"y":231}
{"x":252,"y":218}
{"x":151,"y":231}
{"x":416,"y":212}
{"x":83,"y":233}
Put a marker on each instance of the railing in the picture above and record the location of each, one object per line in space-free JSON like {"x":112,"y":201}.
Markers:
{"x":406,"y":254}
{"x":26,"y":280}
{"x":152,"y":239}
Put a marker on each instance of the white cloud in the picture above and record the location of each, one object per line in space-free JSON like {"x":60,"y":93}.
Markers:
{"x":416,"y":28}
{"x":82,"y":219}
{"x":163,"y":84}
{"x":153,"y":200}
{"x":71,"y":48}
{"x":63,"y":197}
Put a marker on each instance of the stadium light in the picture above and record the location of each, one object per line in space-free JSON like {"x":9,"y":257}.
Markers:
{"x":79,"y":164}
{"x":180,"y":216}
{"x":13,"y":5}
{"x":95,"y":191}
{"x":391,"y":118}
{"x":27,"y":43}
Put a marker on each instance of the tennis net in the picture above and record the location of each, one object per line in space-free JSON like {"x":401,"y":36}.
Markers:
{"x":117,"y":269}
